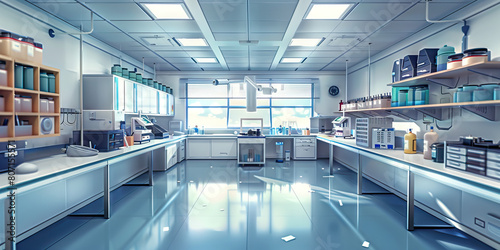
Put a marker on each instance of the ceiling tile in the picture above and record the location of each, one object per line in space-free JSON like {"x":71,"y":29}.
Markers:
{"x":297,"y":53}
{"x":316,"y":60}
{"x":224,"y":10}
{"x":362,"y":27}
{"x":138,"y":26}
{"x":200,"y":53}
{"x":99,"y":26}
{"x":268,"y":26}
{"x":240,"y":60}
{"x":267,"y":36}
{"x":181,"y":26}
{"x":317,"y":25}
{"x":179,"y":53}
{"x":437,"y":10}
{"x":223,"y":26}
{"x":377,"y":11}
{"x":67,"y":11}
{"x":277,"y":11}
{"x":234,"y":53}
{"x":119,"y":11}
{"x":228,"y":36}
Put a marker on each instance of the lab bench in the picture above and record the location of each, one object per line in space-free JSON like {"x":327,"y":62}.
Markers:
{"x":469,"y":202}
{"x":64,"y":184}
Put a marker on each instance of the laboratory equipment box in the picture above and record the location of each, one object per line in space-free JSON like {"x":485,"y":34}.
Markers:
{"x":103,"y":141}
{"x":426,"y":61}
{"x":409,"y":67}
{"x":365,"y":126}
{"x":467,"y":158}
{"x":396,"y":70}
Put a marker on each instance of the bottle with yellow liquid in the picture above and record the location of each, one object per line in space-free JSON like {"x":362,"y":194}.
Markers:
{"x":410,"y":143}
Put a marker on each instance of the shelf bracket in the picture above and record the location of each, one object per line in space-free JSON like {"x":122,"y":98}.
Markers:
{"x":492,"y":73}
{"x":447,"y":82}
{"x":407,"y":114}
{"x":488,"y":112}
{"x":434,"y":113}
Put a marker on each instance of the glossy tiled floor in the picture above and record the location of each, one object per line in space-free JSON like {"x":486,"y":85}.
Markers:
{"x":218,"y":205}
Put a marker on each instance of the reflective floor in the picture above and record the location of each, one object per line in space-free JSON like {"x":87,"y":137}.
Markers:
{"x":202,"y":204}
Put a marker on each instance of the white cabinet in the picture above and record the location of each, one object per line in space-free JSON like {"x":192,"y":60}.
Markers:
{"x":163,"y":108}
{"x":171,"y":155}
{"x":211,"y":148}
{"x":181,"y":151}
{"x":224,"y":148}
{"x":304,"y":148}
{"x":199,"y":148}
{"x":170,"y":105}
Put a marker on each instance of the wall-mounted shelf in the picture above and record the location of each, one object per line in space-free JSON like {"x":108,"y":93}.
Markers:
{"x":450,"y":78}
{"x":33,"y":118}
{"x":486,"y":109}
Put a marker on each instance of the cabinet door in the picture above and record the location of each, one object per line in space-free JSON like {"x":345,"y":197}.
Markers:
{"x":129,"y":97}
{"x":171,"y":101}
{"x":305,"y":152}
{"x":139,"y":98}
{"x":163,"y":103}
{"x":154,"y":101}
{"x":224,"y":148}
{"x":119,"y":94}
{"x":199,"y":149}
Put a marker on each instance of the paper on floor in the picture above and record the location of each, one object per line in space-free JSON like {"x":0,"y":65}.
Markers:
{"x":288,"y":238}
{"x":366,"y":244}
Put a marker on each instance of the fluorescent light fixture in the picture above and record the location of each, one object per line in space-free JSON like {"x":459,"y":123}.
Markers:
{"x":327,"y":11}
{"x":205,"y":60}
{"x":166,"y":229}
{"x":167,"y":11}
{"x":305,"y":42}
{"x":192,"y":41}
{"x":291,"y":60}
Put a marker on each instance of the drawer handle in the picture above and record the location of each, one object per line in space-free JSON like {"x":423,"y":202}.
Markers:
{"x":452,"y":163}
{"x":454,"y":156}
{"x":454,"y":149}
{"x":494,"y":216}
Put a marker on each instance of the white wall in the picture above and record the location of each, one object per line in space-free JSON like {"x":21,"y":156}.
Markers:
{"x":326,"y":105}
{"x":481,"y":34}
{"x":62,"y":52}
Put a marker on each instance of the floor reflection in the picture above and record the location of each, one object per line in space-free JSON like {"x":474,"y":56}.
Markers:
{"x":219,"y":205}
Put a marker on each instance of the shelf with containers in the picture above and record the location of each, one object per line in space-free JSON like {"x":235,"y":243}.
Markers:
{"x":22,"y":106}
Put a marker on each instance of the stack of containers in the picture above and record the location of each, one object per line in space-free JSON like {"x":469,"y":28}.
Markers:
{"x":20,"y":48}
{"x":3,"y":74}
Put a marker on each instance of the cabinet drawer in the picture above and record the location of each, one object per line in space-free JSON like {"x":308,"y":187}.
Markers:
{"x":307,"y":145}
{"x":493,"y":156}
{"x":454,"y":164}
{"x":457,"y":158}
{"x":493,"y":173}
{"x":456,"y":150}
{"x":482,"y":215}
{"x":305,"y":152}
{"x":493,"y":165}
{"x":476,"y":153}
{"x":305,"y":140}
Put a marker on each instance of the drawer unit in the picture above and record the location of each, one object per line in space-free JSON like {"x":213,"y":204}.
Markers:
{"x":456,"y":150}
{"x":456,"y":164}
{"x":493,"y":163}
{"x":181,"y":151}
{"x":456,"y":157}
{"x":304,"y":148}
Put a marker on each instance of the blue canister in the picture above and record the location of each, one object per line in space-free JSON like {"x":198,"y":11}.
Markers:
{"x":470,"y":87}
{"x":455,"y":95}
{"x":19,"y":76}
{"x":28,"y":77}
{"x":164,"y":88}
{"x":155,"y":84}
{"x":125,"y":73}
{"x":410,"y":98}
{"x":171,"y":91}
{"x":496,"y":94}
{"x":116,"y":70}
{"x":150,"y":82}
{"x":481,"y":94}
{"x":490,"y":87}
{"x":145,"y":81}
{"x":160,"y":86}
{"x":421,"y":96}
{"x":52,"y":83}
{"x":442,"y":56}
{"x":167,"y":90}
{"x":402,"y":96}
{"x":44,"y":82}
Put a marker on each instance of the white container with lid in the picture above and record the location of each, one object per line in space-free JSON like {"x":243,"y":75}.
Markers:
{"x":44,"y":106}
{"x":26,"y":105}
{"x":473,"y":56}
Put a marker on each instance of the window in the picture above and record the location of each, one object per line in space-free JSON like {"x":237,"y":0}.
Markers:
{"x":222,"y":106}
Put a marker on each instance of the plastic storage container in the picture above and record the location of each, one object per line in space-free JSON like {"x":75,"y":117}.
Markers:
{"x":155,"y":84}
{"x":44,"y":106}
{"x":482,"y":94}
{"x":26,"y":104}
{"x":117,"y":70}
{"x":410,"y":98}
{"x":28,"y":78}
{"x":19,"y":76}
{"x":52,"y":83}
{"x":4,"y":131}
{"x":442,"y":57}
{"x":10,"y":45}
{"x":145,"y":81}
{"x":3,"y":74}
{"x":160,"y":86}
{"x":150,"y":82}
{"x":164,"y":88}
{"x":496,"y":94}
{"x":2,"y":104}
{"x":464,"y":96}
{"x":44,"y":82}
{"x":410,"y":146}
{"x":455,"y":95}
{"x":17,"y":104}
{"x":138,"y":77}
{"x":455,"y":61}
{"x":125,"y":73}
{"x":473,"y":56}
{"x":38,"y":53}
{"x":421,"y":96}
{"x":28,"y":47}
{"x":430,"y":138}
{"x":132,"y":76}
{"x":51,"y":105}
{"x":24,"y":130}
{"x":402,"y":97}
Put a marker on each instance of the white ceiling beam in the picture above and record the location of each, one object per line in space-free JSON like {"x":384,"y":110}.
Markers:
{"x":298,"y":15}
{"x":195,"y":9}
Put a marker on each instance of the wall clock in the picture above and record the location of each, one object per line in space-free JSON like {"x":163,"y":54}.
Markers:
{"x":333,"y":90}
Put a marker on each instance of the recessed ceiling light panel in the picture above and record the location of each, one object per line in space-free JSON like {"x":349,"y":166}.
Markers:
{"x":206,"y":60}
{"x":291,"y":60}
{"x":191,"y":41}
{"x":305,"y":42}
{"x":167,"y":11}
{"x":328,"y":11}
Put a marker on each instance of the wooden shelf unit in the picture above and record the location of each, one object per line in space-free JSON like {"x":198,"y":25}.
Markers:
{"x":9,"y":92}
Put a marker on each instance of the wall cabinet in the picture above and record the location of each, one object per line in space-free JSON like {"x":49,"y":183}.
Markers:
{"x":109,"y":92}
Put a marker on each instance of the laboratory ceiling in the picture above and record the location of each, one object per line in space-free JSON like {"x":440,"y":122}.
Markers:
{"x":250,"y":34}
